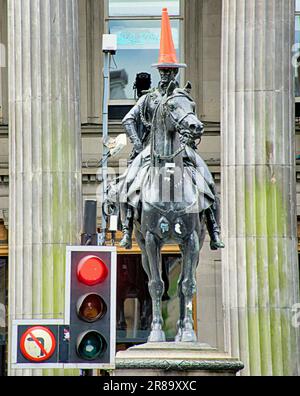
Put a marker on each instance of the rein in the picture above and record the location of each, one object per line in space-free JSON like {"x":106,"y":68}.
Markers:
{"x":179,"y":122}
{"x":171,"y":156}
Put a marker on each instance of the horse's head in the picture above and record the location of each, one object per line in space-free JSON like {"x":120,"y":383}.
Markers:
{"x":179,"y":110}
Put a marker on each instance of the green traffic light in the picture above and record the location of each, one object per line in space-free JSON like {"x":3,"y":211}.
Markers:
{"x":91,"y":345}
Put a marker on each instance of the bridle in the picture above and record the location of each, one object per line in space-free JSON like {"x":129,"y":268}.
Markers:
{"x":177,"y":123}
{"x":178,"y":126}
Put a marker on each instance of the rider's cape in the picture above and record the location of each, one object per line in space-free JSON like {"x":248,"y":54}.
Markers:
{"x":129,"y":187}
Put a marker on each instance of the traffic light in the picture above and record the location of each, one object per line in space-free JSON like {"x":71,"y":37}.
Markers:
{"x":91,"y":304}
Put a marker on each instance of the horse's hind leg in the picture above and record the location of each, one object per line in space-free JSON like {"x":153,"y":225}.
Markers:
{"x":142,"y":244}
{"x":190,"y":253}
{"x":156,"y":287}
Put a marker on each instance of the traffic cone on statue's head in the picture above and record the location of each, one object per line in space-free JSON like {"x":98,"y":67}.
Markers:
{"x":167,"y":55}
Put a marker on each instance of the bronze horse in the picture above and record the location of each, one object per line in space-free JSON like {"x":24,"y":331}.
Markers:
{"x":172,"y":207}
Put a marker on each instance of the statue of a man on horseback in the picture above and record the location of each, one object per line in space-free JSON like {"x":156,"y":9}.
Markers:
{"x":167,"y":191}
{"x":137,"y":124}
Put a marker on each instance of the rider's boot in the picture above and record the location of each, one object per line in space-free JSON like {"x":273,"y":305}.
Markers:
{"x":213,"y":229}
{"x":127,"y":226}
{"x":126,"y":241}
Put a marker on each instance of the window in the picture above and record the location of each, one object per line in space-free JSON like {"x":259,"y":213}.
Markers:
{"x":142,"y":7}
{"x":137,"y":25}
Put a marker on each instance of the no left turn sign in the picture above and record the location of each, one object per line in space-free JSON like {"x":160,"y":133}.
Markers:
{"x":37,"y":344}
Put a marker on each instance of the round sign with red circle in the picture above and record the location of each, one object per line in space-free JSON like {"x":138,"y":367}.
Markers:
{"x":38,"y":344}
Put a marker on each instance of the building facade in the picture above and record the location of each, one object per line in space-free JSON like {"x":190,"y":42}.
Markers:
{"x":240,"y":63}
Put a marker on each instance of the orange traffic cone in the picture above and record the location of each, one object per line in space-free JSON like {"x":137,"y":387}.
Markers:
{"x":167,"y":56}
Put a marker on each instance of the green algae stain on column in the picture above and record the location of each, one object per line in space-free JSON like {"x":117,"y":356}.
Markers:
{"x":272,"y":344}
{"x":47,"y":281}
{"x":59,"y":258}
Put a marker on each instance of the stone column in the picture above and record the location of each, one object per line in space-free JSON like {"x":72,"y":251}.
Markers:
{"x":45,"y":154}
{"x":261,"y":278}
{"x":3,"y":64}
{"x":91,"y":29}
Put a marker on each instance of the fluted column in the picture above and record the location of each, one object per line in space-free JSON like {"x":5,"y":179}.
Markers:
{"x":261,"y":279}
{"x":3,"y":63}
{"x":45,"y":154}
{"x":91,"y":29}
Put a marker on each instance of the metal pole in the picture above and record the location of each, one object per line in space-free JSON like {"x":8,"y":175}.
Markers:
{"x":89,"y":235}
{"x":105,"y":150}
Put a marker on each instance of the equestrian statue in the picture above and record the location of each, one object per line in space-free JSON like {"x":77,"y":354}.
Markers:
{"x":167,"y":195}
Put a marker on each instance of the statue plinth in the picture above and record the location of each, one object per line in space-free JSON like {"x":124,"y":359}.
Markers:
{"x":175,"y":359}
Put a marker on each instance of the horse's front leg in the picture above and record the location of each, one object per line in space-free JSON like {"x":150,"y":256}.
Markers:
{"x":156,"y":287}
{"x":190,"y":253}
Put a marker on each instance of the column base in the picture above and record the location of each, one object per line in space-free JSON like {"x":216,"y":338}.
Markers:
{"x":175,"y":359}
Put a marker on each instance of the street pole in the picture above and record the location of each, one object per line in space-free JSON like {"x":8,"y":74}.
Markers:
{"x":89,"y":238}
{"x":89,"y":235}
{"x":105,"y":130}
{"x":109,"y":48}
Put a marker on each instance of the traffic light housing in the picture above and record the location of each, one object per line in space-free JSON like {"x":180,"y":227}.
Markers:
{"x":91,"y":306}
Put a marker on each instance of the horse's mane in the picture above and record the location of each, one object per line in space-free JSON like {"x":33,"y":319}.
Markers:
{"x":178,"y":92}
{"x":181,"y":92}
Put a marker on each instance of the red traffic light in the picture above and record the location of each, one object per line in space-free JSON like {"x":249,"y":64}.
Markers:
{"x":91,"y":307}
{"x":91,"y":270}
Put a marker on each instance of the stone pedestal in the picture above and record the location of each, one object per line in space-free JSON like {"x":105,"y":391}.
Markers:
{"x":175,"y":359}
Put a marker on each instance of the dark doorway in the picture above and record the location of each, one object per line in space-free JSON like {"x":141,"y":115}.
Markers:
{"x":134,"y":308}
{"x":3,"y":314}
